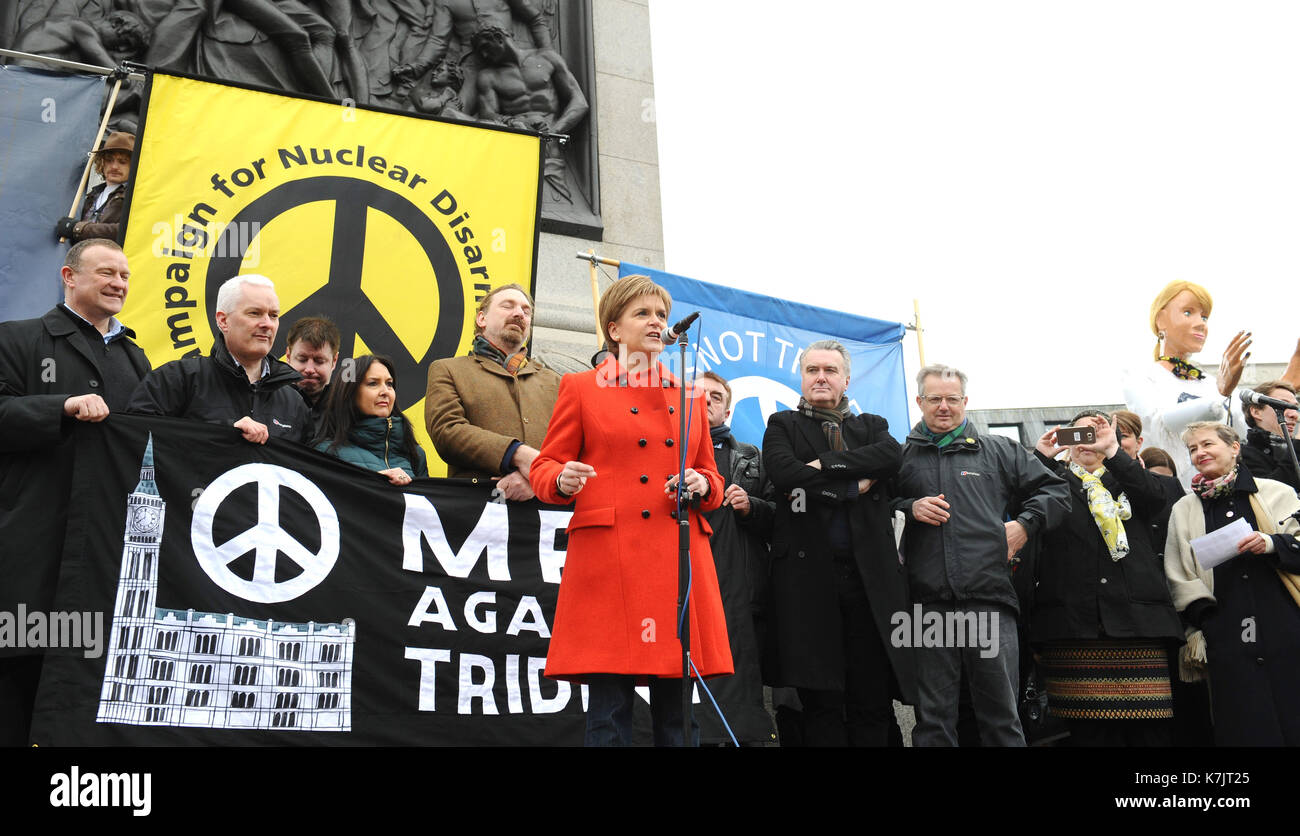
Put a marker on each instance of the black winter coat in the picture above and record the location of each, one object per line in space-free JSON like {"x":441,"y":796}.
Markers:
{"x":1266,"y":456}
{"x":1081,"y":593}
{"x":42,"y":362}
{"x":803,"y":615}
{"x":215,"y":389}
{"x":739,"y":546}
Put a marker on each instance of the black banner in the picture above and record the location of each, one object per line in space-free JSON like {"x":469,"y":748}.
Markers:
{"x":252,"y":595}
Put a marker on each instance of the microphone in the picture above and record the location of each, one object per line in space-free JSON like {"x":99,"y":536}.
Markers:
{"x":1252,"y":398}
{"x":677,"y":330}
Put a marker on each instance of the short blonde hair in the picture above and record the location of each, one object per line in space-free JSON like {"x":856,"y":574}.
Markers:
{"x":1225,"y":433}
{"x":624,"y":292}
{"x":1167,"y":295}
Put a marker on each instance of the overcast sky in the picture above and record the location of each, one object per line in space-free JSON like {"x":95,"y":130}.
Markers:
{"x":1032,"y":172}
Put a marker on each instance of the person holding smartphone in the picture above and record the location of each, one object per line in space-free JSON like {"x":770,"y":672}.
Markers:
{"x":1102,"y":620}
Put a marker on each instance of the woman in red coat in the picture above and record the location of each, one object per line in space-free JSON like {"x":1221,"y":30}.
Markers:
{"x":612,"y":448}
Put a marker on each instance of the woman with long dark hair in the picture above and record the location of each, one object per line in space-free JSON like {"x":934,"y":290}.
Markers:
{"x":362,"y":426}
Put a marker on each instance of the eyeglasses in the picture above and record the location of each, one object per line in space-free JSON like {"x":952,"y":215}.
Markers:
{"x":950,"y":400}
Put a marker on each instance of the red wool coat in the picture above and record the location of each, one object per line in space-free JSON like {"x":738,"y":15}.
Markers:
{"x":617,"y":605}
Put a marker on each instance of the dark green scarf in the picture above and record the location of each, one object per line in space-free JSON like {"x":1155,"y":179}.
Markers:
{"x":942,"y":441}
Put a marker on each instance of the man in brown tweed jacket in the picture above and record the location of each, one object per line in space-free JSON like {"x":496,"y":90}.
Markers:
{"x":487,"y":412}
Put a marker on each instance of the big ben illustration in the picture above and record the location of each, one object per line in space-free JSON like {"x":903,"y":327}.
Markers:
{"x":168,"y":667}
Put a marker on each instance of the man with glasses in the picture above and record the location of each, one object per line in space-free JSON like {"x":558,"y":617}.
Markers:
{"x":956,"y":487}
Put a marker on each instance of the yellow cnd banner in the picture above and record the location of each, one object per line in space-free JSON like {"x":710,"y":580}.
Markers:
{"x":392,"y":225}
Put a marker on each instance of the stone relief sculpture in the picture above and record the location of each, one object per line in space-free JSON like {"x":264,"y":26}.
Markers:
{"x":508,"y":62}
{"x":531,"y":89}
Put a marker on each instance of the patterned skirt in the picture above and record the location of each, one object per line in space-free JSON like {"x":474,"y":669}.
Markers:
{"x":1107,"y":680}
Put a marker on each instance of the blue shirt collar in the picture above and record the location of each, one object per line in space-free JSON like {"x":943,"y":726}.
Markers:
{"x":115,"y":327}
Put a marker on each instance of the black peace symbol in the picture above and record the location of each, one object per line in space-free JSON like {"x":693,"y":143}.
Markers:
{"x":341,"y":297}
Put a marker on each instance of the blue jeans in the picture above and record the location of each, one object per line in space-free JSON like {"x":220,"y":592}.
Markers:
{"x":610,"y":698}
{"x":994,"y":681}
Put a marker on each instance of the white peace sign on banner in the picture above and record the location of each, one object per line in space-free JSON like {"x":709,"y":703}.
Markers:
{"x":266,"y":538}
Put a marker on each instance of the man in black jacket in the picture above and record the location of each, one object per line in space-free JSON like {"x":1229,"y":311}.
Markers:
{"x":836,"y":576}
{"x":955,"y":487}
{"x":238,"y":384}
{"x":75,"y":363}
{"x":312,"y":349}
{"x":742,"y":528}
{"x":1264,"y":453}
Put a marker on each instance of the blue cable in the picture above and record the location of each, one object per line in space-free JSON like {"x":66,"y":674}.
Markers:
{"x":716,"y":707}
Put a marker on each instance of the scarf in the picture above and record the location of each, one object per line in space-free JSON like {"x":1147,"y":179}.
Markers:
{"x":1211,"y":488}
{"x":831,"y":420}
{"x":483,"y":347}
{"x":1182,"y":369}
{"x":719,"y":434}
{"x":942,"y":441}
{"x":1109,"y":513}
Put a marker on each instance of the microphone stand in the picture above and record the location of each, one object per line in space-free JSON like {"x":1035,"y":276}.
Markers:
{"x":683,"y":552}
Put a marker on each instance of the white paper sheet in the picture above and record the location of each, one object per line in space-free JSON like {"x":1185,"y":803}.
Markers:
{"x":1221,"y":545}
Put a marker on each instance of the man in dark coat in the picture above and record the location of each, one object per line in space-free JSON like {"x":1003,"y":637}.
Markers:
{"x":742,"y":528}
{"x":836,"y":576}
{"x":312,"y":350}
{"x":955,"y":488}
{"x":76,"y":363}
{"x":238,"y":384}
{"x":1264,"y":450}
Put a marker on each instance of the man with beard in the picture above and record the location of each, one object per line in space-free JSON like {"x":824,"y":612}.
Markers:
{"x":487,"y":412}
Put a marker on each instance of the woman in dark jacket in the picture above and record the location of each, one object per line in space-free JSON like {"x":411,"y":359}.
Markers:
{"x":1102,"y":618}
{"x":362,"y":426}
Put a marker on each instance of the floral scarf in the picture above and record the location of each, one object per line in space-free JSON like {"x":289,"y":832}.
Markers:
{"x":1211,"y":488}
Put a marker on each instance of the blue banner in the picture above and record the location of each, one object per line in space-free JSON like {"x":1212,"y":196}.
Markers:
{"x":754,"y":341}
{"x":47,"y":125}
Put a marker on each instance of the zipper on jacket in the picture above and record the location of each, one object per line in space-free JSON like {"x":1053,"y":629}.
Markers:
{"x":386,"y":434}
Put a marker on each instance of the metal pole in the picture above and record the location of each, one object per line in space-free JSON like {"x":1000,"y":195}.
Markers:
{"x":60,"y":64}
{"x":920,"y":339}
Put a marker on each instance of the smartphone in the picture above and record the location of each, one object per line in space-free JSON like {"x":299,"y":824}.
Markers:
{"x":1069,"y":436}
